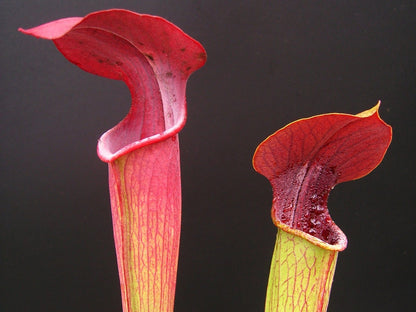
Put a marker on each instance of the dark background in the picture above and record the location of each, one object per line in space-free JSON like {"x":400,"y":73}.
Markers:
{"x":269,"y":63}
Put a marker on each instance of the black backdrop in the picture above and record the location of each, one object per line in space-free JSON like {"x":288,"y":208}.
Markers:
{"x":269,"y":63}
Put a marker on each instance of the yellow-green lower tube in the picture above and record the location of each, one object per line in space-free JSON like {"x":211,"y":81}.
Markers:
{"x":301,"y":275}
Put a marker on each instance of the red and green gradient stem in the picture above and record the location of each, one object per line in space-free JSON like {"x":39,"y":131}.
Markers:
{"x":303,"y":162}
{"x":146,"y":222}
{"x":301,"y":275}
{"x":155,"y":59}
